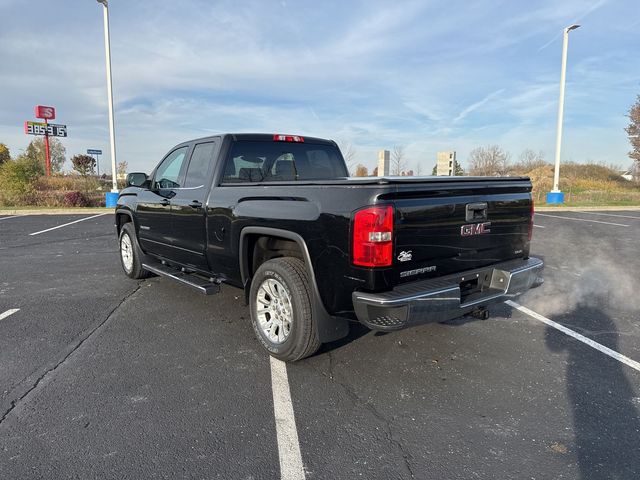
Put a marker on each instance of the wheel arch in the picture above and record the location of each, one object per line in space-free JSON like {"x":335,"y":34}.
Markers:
{"x":124,"y":216}
{"x":330,"y":328}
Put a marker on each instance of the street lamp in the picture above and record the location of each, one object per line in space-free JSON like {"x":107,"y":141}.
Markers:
{"x":555,"y":195}
{"x":112,"y":133}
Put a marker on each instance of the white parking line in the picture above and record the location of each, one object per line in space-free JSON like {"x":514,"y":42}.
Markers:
{"x":70,"y":223}
{"x":539,"y":226}
{"x":601,"y":348}
{"x":611,"y":215}
{"x":581,"y":219}
{"x":11,"y":216}
{"x":291,"y":467}
{"x":8,"y":312}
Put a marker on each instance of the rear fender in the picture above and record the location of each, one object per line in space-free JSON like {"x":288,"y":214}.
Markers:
{"x":329,"y":327}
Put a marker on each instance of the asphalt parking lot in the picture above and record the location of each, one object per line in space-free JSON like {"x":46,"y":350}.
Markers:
{"x":106,"y":377}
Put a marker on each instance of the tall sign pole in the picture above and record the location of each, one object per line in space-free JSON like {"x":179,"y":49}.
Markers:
{"x":47,"y":150}
{"x":112,"y":133}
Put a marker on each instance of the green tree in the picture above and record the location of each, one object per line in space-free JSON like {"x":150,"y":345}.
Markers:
{"x":17,"y":178}
{"x":5,"y":155}
{"x":633,"y":130}
{"x":83,"y":164}
{"x":36,"y":151}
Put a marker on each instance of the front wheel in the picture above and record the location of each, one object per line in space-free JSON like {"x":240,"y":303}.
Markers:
{"x":130,"y":254}
{"x":281,"y":312}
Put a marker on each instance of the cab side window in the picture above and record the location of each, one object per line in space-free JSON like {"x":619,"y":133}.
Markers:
{"x":200,"y":165}
{"x":169,"y":173}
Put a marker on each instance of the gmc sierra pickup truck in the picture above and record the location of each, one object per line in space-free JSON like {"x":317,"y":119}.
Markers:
{"x":277,"y":216}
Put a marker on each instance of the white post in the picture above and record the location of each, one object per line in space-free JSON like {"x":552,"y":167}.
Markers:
{"x":563,"y":74}
{"x":112,"y":132}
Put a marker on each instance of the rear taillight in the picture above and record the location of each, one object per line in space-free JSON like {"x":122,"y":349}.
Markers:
{"x":373,"y":237}
{"x":531,"y":221}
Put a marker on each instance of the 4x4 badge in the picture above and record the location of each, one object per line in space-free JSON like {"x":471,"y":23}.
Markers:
{"x":404,"y":256}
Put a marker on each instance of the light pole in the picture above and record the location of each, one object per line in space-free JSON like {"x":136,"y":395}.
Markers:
{"x":555,"y":195}
{"x":112,"y":133}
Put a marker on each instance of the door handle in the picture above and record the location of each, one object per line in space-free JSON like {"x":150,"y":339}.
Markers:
{"x":165,"y":203}
{"x":195,"y":204}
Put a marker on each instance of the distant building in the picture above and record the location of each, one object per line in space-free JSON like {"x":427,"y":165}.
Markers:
{"x":383,"y":163}
{"x":446,"y":164}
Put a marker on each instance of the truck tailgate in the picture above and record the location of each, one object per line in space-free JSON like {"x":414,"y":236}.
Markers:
{"x":452,"y":227}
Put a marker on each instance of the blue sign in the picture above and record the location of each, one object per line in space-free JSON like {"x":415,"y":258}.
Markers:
{"x":94,"y":152}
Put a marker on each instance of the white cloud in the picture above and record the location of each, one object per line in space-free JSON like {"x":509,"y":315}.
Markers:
{"x":476,"y":105}
{"x":413,"y":73}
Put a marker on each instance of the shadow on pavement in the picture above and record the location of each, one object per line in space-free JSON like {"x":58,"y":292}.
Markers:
{"x":356,"y":330}
{"x":606,"y":422}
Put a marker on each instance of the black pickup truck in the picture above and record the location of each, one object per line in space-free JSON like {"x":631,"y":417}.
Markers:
{"x":277,"y":216}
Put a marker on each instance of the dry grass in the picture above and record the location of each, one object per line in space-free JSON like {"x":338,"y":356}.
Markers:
{"x":60,"y":191}
{"x":584,"y":184}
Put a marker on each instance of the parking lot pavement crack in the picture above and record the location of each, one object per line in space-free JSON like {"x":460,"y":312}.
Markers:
{"x":356,"y":400}
{"x":66,"y":355}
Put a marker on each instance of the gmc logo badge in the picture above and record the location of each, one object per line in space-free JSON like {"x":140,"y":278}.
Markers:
{"x":475,"y":229}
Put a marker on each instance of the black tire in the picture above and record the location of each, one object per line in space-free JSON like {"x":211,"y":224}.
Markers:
{"x":302,"y":340}
{"x":135,"y":269}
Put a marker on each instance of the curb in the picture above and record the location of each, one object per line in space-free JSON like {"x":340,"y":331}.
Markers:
{"x":586,"y":209}
{"x":55,"y":211}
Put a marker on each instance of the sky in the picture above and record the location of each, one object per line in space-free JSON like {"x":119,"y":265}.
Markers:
{"x":427,"y":75}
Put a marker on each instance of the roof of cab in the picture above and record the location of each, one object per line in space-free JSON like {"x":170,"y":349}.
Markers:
{"x":257,"y":137}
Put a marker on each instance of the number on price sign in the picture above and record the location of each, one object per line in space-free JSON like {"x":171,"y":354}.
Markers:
{"x":39,"y":128}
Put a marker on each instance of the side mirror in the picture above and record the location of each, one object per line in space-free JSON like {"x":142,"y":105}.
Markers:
{"x":136,"y":179}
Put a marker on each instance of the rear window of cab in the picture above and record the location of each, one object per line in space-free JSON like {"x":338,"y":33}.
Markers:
{"x":255,"y":161}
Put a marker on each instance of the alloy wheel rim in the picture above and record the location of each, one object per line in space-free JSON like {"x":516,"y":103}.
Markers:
{"x":274,"y":309}
{"x":126,"y":252}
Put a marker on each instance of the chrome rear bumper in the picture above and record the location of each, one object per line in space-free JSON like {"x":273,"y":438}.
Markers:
{"x":447,"y":297}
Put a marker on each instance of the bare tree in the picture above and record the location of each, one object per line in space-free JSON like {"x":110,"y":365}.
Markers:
{"x":635,"y":171}
{"x":397,"y":160}
{"x":529,"y":160}
{"x":361,"y":171}
{"x":418,"y":169}
{"x":633,"y":131}
{"x":348,"y":152}
{"x":122,"y":168}
{"x":491,"y":160}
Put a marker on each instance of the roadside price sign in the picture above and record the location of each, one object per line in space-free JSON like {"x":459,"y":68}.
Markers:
{"x":41,"y":128}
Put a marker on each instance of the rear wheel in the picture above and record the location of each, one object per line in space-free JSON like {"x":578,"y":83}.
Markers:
{"x":281,"y":312}
{"x":130,"y":254}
